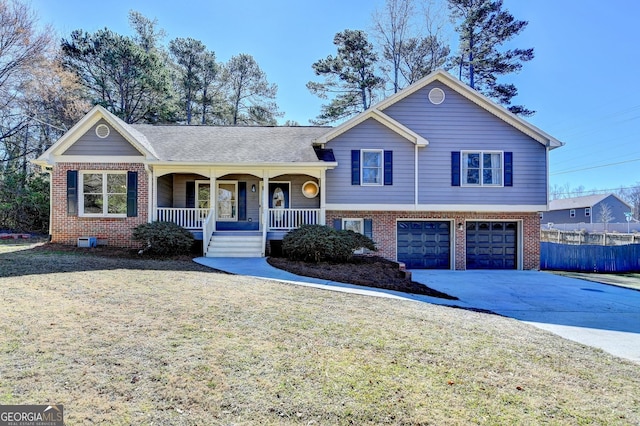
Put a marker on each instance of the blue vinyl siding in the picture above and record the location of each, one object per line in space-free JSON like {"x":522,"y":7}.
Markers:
{"x":91,"y":144}
{"x":371,"y":135}
{"x":460,"y":125}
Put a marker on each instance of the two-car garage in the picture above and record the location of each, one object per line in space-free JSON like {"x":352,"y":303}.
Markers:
{"x":430,"y":244}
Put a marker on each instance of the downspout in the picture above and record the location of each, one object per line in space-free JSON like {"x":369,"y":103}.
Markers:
{"x":151,"y":197}
{"x":416,"y":177}
{"x":49,"y":171}
{"x":265,"y":210}
{"x":323,"y":199}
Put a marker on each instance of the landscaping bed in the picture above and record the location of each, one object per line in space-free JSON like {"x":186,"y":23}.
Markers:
{"x":370,"y":271}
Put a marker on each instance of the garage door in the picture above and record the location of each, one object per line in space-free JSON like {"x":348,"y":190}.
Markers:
{"x":492,"y":245}
{"x":424,"y":245}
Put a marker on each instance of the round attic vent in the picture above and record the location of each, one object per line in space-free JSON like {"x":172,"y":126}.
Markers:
{"x":102,"y":131}
{"x":436,"y":96}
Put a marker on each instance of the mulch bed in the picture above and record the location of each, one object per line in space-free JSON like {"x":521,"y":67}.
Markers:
{"x":370,"y":271}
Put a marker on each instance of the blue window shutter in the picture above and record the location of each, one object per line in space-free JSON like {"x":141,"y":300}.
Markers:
{"x":190,"y":202}
{"x":455,"y":168}
{"x":388,"y":167}
{"x":337,"y":224}
{"x":72,"y":192}
{"x":355,"y":167}
{"x":368,"y":228}
{"x":242,"y":200}
{"x":132,"y":194}
{"x":508,"y":169}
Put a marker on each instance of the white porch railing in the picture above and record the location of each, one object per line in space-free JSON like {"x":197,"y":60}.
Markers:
{"x":187,"y":218}
{"x":209,"y":226}
{"x":287,"y":219}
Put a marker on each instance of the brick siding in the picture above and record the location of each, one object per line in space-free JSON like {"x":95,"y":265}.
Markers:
{"x":114,"y":232}
{"x":384,"y":230}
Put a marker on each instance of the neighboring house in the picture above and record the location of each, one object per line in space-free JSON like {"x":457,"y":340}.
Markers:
{"x":437,"y":175}
{"x":587,"y":209}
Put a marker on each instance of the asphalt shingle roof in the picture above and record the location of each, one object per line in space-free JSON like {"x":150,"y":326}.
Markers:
{"x":239,"y":145}
{"x":577,"y":202}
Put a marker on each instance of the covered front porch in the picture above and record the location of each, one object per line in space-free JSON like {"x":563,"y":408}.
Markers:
{"x":236,"y":212}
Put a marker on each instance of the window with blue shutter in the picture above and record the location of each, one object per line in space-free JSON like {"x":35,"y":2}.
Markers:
{"x":368,"y":228}
{"x":190,"y":201}
{"x":508,"y":169}
{"x":388,"y":167}
{"x":371,"y":167}
{"x":72,"y":192}
{"x":132,"y":194}
{"x":355,"y":167}
{"x":455,"y":168}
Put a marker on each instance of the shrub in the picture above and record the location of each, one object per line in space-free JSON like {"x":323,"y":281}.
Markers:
{"x":315,"y":243}
{"x":164,"y":238}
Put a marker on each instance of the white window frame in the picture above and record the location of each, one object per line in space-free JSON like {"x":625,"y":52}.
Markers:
{"x":381,"y":167}
{"x":587,"y":212}
{"x":355,"y":219}
{"x":464,"y":168}
{"x":105,"y":194}
{"x":572,"y":213}
{"x":234,"y":218}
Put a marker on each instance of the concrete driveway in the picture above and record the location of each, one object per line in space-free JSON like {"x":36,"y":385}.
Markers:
{"x":594,"y":314}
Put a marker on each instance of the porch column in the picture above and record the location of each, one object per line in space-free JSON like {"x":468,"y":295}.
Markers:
{"x":213,"y":196}
{"x":322,"y":220}
{"x":153,"y":196}
{"x":265,"y":209}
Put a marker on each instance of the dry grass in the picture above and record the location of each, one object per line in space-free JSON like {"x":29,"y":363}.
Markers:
{"x":627,"y":280}
{"x":125,"y":341}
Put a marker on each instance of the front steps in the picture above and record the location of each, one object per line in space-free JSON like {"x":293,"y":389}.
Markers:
{"x":235,"y":245}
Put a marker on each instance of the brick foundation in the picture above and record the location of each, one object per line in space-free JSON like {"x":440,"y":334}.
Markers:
{"x":114,"y":232}
{"x":384,"y":231}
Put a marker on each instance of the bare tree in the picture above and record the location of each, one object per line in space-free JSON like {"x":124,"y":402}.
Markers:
{"x":605,"y":216}
{"x":23,"y":49}
{"x":392,"y":27}
{"x":409,"y":40}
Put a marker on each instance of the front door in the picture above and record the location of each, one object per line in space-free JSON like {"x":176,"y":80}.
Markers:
{"x":227,"y":201}
{"x":279,"y":195}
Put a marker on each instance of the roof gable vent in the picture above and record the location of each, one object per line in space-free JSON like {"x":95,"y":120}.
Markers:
{"x":102,"y":131}
{"x":436,"y":96}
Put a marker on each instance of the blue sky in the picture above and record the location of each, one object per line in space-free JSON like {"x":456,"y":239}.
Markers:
{"x":583,"y":82}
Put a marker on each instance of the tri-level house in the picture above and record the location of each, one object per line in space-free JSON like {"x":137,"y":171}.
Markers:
{"x":438,"y":175}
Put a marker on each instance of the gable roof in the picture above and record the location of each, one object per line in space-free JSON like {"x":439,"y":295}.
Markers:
{"x":232,"y":145}
{"x":581,"y":202}
{"x":380,"y":117}
{"x":135,"y":138}
{"x":200,"y":144}
{"x":377,"y":111}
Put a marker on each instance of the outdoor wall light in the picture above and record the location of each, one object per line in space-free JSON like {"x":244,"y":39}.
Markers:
{"x":460,"y":227}
{"x":253,"y":188}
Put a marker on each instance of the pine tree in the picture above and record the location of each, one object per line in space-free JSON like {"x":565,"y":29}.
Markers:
{"x":350,"y":75}
{"x":483,"y":27}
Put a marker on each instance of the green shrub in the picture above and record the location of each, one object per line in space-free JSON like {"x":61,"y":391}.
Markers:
{"x":164,"y":238}
{"x":315,"y":243}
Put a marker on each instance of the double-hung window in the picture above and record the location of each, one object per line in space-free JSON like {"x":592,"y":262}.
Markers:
{"x":482,"y":168}
{"x":103,"y":194}
{"x":372,"y":167}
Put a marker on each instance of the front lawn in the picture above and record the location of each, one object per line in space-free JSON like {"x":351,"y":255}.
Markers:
{"x":124,"y":341}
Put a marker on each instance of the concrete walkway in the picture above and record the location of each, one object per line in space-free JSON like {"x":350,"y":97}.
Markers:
{"x":590,"y":313}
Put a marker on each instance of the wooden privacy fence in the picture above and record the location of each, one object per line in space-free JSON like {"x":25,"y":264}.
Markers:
{"x":590,"y":258}
{"x":593,"y":238}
